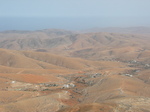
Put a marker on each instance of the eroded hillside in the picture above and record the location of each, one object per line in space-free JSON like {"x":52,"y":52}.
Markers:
{"x":62,"y":71}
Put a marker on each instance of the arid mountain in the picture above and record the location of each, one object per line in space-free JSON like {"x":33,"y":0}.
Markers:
{"x":93,"y":46}
{"x":40,"y":60}
{"x":23,"y":40}
{"x":62,"y":71}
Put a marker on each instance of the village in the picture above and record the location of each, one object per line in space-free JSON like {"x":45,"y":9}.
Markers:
{"x":73,"y":80}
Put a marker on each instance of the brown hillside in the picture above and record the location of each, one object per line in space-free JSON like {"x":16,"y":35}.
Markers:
{"x":61,"y":71}
{"x":94,"y":46}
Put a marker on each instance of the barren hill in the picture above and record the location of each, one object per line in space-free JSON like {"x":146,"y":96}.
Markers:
{"x":29,"y":60}
{"x":62,"y":71}
{"x":93,"y":46}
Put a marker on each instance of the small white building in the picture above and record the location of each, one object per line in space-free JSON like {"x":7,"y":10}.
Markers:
{"x":13,"y":82}
{"x":70,"y":85}
{"x":65,"y":86}
{"x":129,"y":75}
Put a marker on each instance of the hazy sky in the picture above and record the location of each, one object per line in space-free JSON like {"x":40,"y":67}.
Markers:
{"x":73,"y":14}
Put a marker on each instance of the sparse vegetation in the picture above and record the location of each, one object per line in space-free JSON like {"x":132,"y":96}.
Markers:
{"x":64,"y":71}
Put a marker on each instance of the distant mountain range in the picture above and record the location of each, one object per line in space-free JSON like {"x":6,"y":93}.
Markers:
{"x":94,"y":46}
